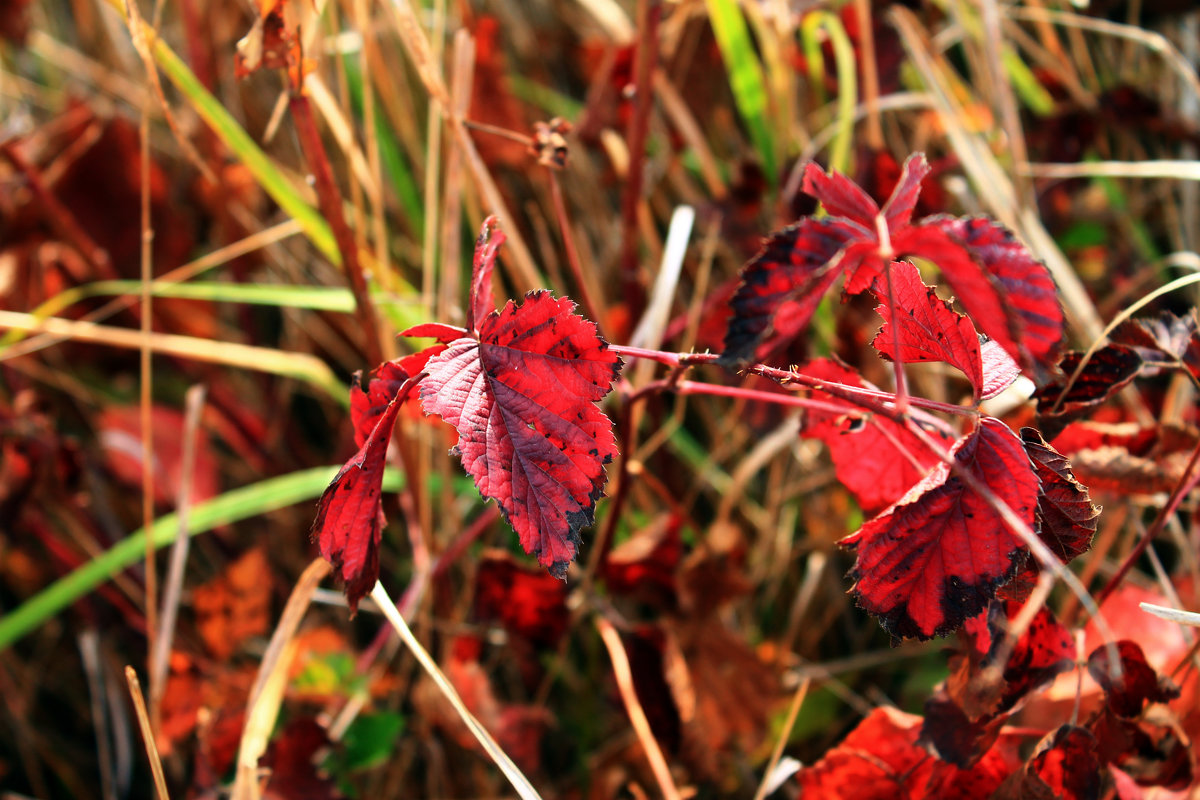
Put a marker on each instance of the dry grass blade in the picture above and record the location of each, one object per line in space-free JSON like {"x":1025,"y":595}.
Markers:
{"x":793,"y":712}
{"x":1191,"y":618}
{"x":297,"y":365}
{"x":173,"y":586}
{"x":262,"y":708}
{"x":139,"y":706}
{"x":637,"y":716}
{"x":494,"y":751}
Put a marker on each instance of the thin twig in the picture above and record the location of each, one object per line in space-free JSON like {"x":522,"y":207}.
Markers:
{"x":139,"y":705}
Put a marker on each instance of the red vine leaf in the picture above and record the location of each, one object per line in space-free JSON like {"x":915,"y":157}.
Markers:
{"x":1139,"y":683}
{"x":937,"y":556}
{"x":1009,"y":294}
{"x":783,"y":285}
{"x":872,"y":455}
{"x":522,"y":396}
{"x":881,"y":759}
{"x":366,"y":407}
{"x":349,"y":522}
{"x":925,"y":327}
{"x":1065,"y":766}
{"x":1066,"y":516}
{"x":487,"y":247}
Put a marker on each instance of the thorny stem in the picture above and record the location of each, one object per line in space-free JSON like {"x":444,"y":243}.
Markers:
{"x":885,"y":404}
{"x":871,"y":399}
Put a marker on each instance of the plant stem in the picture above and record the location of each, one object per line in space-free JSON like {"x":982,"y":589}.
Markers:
{"x":330,"y":202}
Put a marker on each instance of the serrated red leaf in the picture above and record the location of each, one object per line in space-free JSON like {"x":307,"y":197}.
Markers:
{"x":487,"y":247}
{"x":999,"y":370}
{"x":783,"y":284}
{"x":1009,"y":294}
{"x":898,"y":209}
{"x":1028,"y":297}
{"x":349,"y":522}
{"x":1066,"y":516}
{"x":924,"y":326}
{"x":872,"y":455}
{"x":841,"y":196}
{"x":522,"y":397}
{"x":367,"y":406}
{"x":937,"y":556}
{"x":1139,"y":683}
{"x":435,"y":330}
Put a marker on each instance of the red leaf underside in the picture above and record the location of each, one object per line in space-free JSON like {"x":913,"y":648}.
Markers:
{"x":522,"y":397}
{"x":924,"y":326}
{"x":999,"y":370}
{"x":938,"y":556}
{"x":349,"y":522}
{"x":872,"y":455}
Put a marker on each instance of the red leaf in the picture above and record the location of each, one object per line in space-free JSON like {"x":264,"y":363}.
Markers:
{"x":898,"y":209}
{"x":926,"y":328}
{"x":1065,"y":766}
{"x":1106,"y":372}
{"x":1066,"y":516}
{"x":938,"y":556}
{"x":366,"y":407}
{"x":999,"y":370}
{"x":882,"y":760}
{"x":783,"y":285}
{"x":872,"y":456}
{"x":841,"y":196}
{"x":487,"y":247}
{"x":1008,"y":293}
{"x":436,"y":330}
{"x":1028,"y":296}
{"x":964,"y":717}
{"x":527,"y":601}
{"x":349,"y":522}
{"x":1139,"y":683}
{"x":522,"y":397}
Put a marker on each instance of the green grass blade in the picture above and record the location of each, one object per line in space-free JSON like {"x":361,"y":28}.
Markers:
{"x":233,"y":506}
{"x":745,"y":77}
